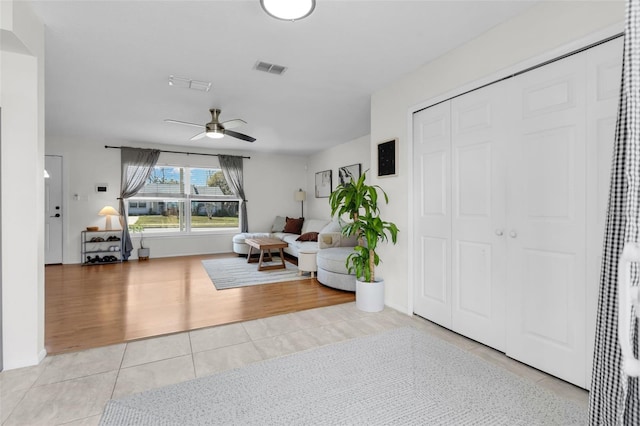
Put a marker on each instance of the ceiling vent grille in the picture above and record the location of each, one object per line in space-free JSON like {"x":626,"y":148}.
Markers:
{"x":270,"y":68}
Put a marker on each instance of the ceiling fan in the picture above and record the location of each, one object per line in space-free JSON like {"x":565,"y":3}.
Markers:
{"x":215,"y":128}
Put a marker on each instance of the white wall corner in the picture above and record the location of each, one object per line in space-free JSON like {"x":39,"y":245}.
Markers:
{"x":22,"y":100}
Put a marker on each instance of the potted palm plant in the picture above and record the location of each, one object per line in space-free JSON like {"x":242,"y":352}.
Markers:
{"x":360,"y":202}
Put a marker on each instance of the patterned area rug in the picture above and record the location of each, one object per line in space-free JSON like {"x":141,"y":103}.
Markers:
{"x":403,"y":376}
{"x":236,"y":272}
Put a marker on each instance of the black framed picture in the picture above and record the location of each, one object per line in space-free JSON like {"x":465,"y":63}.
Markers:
{"x":345,"y":173}
{"x":387,"y":158}
{"x":323,"y":184}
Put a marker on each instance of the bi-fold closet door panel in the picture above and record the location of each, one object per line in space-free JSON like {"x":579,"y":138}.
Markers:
{"x":546,"y":253}
{"x":432,"y":203}
{"x":604,"y":70}
{"x":478,"y":246}
{"x":559,"y":171}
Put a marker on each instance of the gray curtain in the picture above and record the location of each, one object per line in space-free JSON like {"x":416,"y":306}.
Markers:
{"x":135,"y":167}
{"x":232,"y":169}
{"x":614,"y":397}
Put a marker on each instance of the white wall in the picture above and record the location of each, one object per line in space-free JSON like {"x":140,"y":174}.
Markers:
{"x":22,"y":185}
{"x":541,"y":32}
{"x":270,"y":181}
{"x":346,"y":154}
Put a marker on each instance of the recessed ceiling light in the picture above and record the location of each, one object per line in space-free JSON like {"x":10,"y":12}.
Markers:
{"x":288,"y":10}
{"x":187,"y":83}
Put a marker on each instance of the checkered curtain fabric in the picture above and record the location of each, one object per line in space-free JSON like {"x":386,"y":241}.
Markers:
{"x":614,"y":398}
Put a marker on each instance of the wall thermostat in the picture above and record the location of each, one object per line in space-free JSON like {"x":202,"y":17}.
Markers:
{"x":102,"y":187}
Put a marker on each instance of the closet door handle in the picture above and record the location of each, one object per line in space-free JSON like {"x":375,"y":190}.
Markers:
{"x":499,"y":232}
{"x":513,"y":234}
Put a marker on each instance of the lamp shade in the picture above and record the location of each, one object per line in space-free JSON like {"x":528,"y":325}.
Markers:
{"x":108,"y":211}
{"x":300,"y":195}
{"x":288,"y":10}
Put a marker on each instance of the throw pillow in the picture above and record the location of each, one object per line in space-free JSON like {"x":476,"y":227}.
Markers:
{"x":308,"y":236}
{"x":313,"y":225}
{"x":293,"y":226}
{"x":278,"y":224}
{"x":333,"y":226}
{"x":328,"y":240}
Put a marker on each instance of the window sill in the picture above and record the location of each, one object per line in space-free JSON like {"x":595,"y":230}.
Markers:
{"x":208,"y":233}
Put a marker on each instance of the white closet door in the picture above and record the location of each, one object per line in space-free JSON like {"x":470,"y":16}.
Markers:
{"x":546,"y":231}
{"x":432,"y":201}
{"x":478,"y":248}
{"x":604,"y":71}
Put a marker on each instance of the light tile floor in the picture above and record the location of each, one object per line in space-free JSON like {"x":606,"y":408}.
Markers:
{"x":73,"y":388}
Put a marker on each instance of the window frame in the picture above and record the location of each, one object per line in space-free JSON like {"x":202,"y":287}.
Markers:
{"x":186,"y":198}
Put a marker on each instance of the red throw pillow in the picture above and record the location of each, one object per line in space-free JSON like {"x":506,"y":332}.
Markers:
{"x":293,"y":226}
{"x":308,"y":236}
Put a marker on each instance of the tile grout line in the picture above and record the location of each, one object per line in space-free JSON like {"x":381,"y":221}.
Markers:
{"x":193,"y":361}
{"x":115,"y":382}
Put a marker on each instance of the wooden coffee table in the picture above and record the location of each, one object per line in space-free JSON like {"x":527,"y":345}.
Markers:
{"x":265,"y":245}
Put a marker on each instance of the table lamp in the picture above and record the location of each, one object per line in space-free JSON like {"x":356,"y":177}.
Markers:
{"x":108,"y":211}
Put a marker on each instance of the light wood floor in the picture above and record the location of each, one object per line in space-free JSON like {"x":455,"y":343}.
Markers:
{"x":91,"y":306}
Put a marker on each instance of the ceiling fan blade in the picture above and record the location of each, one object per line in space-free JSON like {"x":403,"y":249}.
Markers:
{"x":230,"y":124}
{"x":167,"y":120}
{"x":199,"y":136}
{"x":239,"y":135}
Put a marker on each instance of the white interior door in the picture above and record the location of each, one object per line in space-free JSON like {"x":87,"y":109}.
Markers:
{"x":53,"y":210}
{"x":432,"y":201}
{"x":478,"y":241}
{"x":547,"y":202}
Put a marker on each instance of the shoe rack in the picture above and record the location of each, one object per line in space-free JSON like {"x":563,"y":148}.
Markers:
{"x":101,"y":247}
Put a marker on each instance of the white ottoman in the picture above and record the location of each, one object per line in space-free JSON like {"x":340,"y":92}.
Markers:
{"x":307,"y":262}
{"x":240,"y":247}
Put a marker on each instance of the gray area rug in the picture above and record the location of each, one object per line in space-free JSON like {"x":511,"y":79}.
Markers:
{"x":236,"y":272}
{"x":403,"y":376}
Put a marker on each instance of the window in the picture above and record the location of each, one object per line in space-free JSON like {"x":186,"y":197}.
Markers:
{"x":185,"y":199}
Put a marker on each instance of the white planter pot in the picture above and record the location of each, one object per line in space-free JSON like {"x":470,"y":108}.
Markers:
{"x":143,"y":253}
{"x":370,"y":296}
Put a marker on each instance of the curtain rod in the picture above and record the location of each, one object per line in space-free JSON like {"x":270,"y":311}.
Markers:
{"x":173,"y":152}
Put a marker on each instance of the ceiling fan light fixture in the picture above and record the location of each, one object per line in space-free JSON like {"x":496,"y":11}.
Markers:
{"x":215,"y":135}
{"x":214,"y":130}
{"x":288,"y":10}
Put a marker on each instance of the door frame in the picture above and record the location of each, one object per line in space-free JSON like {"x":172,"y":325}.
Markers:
{"x":576,"y":46}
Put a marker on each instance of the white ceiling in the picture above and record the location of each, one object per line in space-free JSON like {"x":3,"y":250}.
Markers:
{"x":108,"y":63}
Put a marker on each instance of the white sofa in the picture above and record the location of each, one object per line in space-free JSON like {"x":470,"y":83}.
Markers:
{"x":331,"y":259}
{"x":309,"y":225}
{"x":331,"y":249}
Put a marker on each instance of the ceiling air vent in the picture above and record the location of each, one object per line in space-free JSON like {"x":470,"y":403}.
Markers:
{"x":270,"y":68}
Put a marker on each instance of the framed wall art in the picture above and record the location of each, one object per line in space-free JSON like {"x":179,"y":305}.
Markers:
{"x":347,"y":172}
{"x":388,"y":158}
{"x":323,"y":184}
